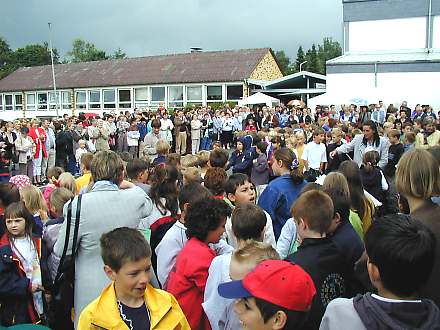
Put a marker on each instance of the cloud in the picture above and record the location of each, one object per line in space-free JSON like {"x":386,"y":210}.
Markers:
{"x":151,"y":27}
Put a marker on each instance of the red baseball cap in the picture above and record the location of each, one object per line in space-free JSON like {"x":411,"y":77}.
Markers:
{"x":275,"y":281}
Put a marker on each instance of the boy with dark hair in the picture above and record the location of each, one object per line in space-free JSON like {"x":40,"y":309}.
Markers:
{"x":138,"y":171}
{"x":401,"y":252}
{"x":130,"y":301}
{"x":175,"y":238}
{"x":315,"y":156}
{"x":240,"y":190}
{"x":218,"y":158}
{"x":332,"y":274}
{"x":395,"y":151}
{"x":275,"y":295}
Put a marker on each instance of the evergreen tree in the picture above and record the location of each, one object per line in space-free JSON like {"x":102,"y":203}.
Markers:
{"x":283,"y":61}
{"x":300,"y":57}
{"x":312,"y":59}
{"x":328,"y":50}
{"x":83,"y":51}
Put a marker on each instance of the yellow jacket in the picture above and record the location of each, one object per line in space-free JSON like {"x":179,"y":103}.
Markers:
{"x":103,"y":313}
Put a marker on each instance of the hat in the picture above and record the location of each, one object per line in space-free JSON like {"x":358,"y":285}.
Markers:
{"x":278,"y":282}
{"x":20,"y":181}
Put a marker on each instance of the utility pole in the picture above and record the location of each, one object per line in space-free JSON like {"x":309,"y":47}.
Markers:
{"x":53,"y":72}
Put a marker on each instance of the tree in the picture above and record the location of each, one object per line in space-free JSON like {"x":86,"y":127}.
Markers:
{"x":312,"y":59}
{"x":327,"y":51}
{"x":119,"y":54}
{"x":283,"y":61}
{"x":300,"y":58}
{"x":33,"y":55}
{"x":6,"y":53}
{"x":83,"y":51}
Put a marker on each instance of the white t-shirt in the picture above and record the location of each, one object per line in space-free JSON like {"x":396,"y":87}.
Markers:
{"x":314,"y":154}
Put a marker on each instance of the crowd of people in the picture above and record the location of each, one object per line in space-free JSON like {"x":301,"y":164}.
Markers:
{"x":237,"y":218}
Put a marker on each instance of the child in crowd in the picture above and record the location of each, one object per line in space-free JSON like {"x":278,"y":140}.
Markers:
{"x":175,"y":238}
{"x":138,"y":172}
{"x":133,"y":136}
{"x":248,"y":223}
{"x":84,"y":180}
{"x":239,"y":190}
{"x":205,"y":221}
{"x":218,"y":158}
{"x":401,"y":254}
{"x":203,"y":157}
{"x":373,"y":179}
{"x":409,"y":141}
{"x":53,"y":174}
{"x":395,"y":151}
{"x":130,"y":301}
{"x":66,"y":180}
{"x":260,"y":168}
{"x":58,"y":198}
{"x":162,"y":149}
{"x":241,"y":158}
{"x":80,"y":152}
{"x":314,"y":156}
{"x":275,"y":295}
{"x":173,"y":159}
{"x":214,"y":181}
{"x":192,"y":174}
{"x":313,"y":212}
{"x":20,"y":269}
{"x":189,"y":161}
{"x":34,"y":201}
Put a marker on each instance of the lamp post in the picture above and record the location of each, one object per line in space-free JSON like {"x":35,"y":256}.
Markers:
{"x":53,"y":70}
{"x":301,"y":64}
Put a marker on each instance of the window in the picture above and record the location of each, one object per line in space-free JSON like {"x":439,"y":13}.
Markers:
{"x":95,"y":99}
{"x":157,"y":95}
{"x":234,"y":92}
{"x":175,"y":96}
{"x":81,"y":100}
{"x":30,"y":101}
{"x":194,"y":93}
{"x":18,"y":102}
{"x":8,"y":102}
{"x":42,"y":101}
{"x":109,"y":98}
{"x":124,"y":98}
{"x":66,"y":99}
{"x":1,"y":102}
{"x":214,"y":93}
{"x":54,"y":100}
{"x":141,"y":97}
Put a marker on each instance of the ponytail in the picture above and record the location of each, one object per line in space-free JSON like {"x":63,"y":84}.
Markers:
{"x":290,"y":161}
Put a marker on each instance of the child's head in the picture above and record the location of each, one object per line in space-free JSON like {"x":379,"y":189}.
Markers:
{"x":173,"y":160}
{"x":401,"y":252}
{"x":218,"y":158}
{"x":239,"y":189}
{"x":215,"y":179}
{"x":341,"y":205}
{"x":275,"y":295}
{"x":66,"y":180}
{"x":127,"y":261}
{"x":18,"y":220}
{"x":261,"y":147}
{"x":58,"y":198}
{"x":192,"y":174}
{"x":9,"y":193}
{"x":164,"y":185}
{"x":189,"y":161}
{"x":137,"y":170}
{"x":206,"y":219}
{"x":33,"y":199}
{"x":394,"y":136}
{"x":285,"y":159}
{"x":191,"y":193}
{"x":217,"y":145}
{"x":162,"y":147}
{"x":86,"y":162}
{"x":409,"y":138}
{"x":54,"y":173}
{"x":336,"y":181}
{"x":203,"y":157}
{"x":245,"y":259}
{"x":82,"y":144}
{"x":313,"y":213}
{"x":248,"y":222}
{"x":318,"y":135}
{"x":370,"y":160}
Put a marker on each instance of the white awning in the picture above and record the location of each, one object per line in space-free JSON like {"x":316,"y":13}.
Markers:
{"x":259,"y":98}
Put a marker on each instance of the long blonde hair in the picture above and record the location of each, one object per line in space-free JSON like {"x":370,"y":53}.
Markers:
{"x":34,"y":201}
{"x":66,"y":180}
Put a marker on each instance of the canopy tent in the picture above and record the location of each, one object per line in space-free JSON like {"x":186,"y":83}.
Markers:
{"x":259,"y":98}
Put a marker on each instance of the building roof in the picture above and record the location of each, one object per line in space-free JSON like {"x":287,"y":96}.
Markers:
{"x":199,"y":67}
{"x":295,"y":78}
{"x":400,"y":57}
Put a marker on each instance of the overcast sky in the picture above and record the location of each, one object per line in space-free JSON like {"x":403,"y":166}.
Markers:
{"x":152,"y":27}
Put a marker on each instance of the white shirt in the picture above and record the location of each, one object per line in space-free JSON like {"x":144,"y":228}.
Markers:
{"x":314,"y":154}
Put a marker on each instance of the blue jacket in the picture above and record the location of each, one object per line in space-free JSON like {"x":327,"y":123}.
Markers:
{"x":277,"y":199}
{"x":241,"y":162}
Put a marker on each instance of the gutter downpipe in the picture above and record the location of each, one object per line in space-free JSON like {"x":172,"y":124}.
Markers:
{"x":429,"y":26}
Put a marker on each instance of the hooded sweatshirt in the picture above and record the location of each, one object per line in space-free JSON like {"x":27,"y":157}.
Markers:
{"x":241,"y":161}
{"x":373,"y":312}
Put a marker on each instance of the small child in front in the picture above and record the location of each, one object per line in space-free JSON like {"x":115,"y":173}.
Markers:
{"x":401,"y":252}
{"x":130,"y":302}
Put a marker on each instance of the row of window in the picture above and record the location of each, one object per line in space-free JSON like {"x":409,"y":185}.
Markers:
{"x":122,"y":98}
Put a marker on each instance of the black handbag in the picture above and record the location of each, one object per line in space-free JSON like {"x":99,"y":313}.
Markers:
{"x":64,"y":282}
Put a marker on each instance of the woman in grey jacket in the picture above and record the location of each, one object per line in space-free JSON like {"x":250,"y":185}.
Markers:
{"x":103,"y":209}
{"x":371,"y":140}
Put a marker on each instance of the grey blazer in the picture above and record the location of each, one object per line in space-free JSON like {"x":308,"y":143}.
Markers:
{"x":103,"y":209}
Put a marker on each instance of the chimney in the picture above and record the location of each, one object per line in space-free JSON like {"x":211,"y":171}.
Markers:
{"x":196,"y":50}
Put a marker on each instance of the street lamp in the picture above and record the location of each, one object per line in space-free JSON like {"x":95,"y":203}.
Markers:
{"x":301,"y":64}
{"x":53,"y":70}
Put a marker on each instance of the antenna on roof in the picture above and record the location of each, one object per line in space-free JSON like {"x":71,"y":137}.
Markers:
{"x":196,"y":49}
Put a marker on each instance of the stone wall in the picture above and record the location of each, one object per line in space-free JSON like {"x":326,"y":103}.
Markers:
{"x":267,"y":69}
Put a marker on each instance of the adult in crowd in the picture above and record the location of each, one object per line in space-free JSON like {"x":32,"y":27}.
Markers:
{"x":103,"y":209}
{"x":430,"y":136}
{"x":180,"y":132}
{"x":196,"y":129}
{"x":166,"y":128}
{"x":7,"y":144}
{"x":25,"y":147}
{"x":49,"y":161}
{"x":151,"y":140}
{"x":227,"y":127}
{"x":418,"y":180}
{"x":101,"y":135}
{"x":369,"y":140}
{"x":39,"y":136}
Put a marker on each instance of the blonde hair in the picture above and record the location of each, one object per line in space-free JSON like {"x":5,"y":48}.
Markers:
{"x":162,"y":147}
{"x":203,"y":157}
{"x":337,"y":181}
{"x":33,"y":199}
{"x":257,"y":251}
{"x":66,"y":180}
{"x":192,"y":174}
{"x":418,"y":175}
{"x":189,"y":161}
{"x":58,"y":198}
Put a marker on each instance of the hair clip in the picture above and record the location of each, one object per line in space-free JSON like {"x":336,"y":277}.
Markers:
{"x":294,"y":165}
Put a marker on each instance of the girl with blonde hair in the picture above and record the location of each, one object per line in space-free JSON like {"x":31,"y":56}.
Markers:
{"x":34,"y":201}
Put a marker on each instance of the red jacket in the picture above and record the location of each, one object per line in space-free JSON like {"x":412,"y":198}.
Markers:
{"x":38,"y":142}
{"x":15,"y":284}
{"x":187,"y":281}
